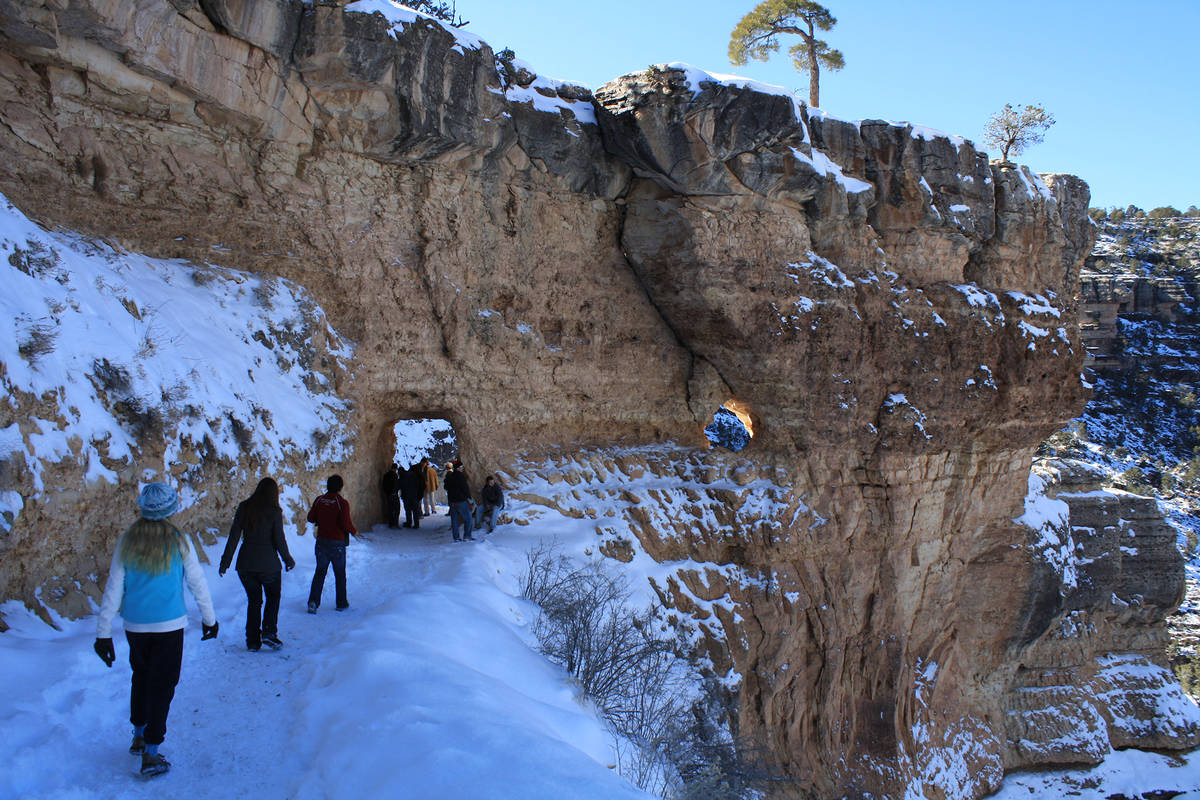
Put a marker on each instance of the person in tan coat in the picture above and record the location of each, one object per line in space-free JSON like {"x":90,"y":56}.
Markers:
{"x":431,"y":485}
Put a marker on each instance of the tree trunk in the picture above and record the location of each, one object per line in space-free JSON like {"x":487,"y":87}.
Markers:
{"x":814,"y":78}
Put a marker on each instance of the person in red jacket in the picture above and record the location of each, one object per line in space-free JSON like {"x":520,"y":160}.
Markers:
{"x":331,"y":513}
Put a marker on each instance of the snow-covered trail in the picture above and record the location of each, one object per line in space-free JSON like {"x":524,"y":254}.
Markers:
{"x":426,"y":687}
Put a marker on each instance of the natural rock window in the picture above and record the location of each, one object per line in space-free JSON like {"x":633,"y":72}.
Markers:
{"x":731,"y":427}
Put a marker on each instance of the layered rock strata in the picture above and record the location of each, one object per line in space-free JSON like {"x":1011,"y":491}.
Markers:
{"x":894,"y":316}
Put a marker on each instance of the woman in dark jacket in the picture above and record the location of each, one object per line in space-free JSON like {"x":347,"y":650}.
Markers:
{"x":259,"y":521}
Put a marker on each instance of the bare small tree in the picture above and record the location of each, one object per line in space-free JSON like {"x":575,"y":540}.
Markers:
{"x":1015,"y":130}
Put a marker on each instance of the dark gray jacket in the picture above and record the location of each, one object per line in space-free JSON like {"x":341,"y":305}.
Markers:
{"x":262,"y":547}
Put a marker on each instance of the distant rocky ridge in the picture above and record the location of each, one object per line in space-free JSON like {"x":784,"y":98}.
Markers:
{"x":561,"y":274}
{"x":1140,"y":307}
{"x":1141,"y":269}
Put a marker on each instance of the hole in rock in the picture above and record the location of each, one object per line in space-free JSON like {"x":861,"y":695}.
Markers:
{"x":731,"y":427}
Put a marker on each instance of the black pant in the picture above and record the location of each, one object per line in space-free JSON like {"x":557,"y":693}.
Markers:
{"x":261,"y":621}
{"x":392,"y":508}
{"x":155,"y":659}
{"x":412,"y":511}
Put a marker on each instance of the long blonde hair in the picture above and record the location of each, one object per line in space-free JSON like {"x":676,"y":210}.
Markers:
{"x":150,"y":544}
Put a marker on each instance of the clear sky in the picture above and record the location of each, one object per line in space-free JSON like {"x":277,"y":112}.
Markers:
{"x":1122,"y":78}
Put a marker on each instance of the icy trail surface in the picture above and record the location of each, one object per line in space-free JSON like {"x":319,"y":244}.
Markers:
{"x":428,"y":686}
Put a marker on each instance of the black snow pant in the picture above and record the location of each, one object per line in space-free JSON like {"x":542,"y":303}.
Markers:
{"x":261,"y":621}
{"x":412,"y":511}
{"x":155,"y":659}
{"x":392,"y":509}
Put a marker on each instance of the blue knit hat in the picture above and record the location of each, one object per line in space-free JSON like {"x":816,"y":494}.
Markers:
{"x":158,"y":501}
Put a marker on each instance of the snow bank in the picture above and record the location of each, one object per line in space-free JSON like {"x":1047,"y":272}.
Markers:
{"x":400,"y":16}
{"x":1050,"y":518}
{"x":106,"y":347}
{"x":1123,"y":773}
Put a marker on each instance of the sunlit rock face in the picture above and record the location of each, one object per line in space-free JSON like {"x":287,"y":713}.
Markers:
{"x":552,"y":270}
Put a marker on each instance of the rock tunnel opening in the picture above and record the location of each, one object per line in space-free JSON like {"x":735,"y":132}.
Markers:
{"x":731,"y":427}
{"x":415,"y":438}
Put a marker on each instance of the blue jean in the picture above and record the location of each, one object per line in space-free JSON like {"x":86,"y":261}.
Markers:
{"x":486,"y":512}
{"x":460,"y":513}
{"x":329,"y":552}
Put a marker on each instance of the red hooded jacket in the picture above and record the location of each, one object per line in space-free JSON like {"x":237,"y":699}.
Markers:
{"x":331,"y":512}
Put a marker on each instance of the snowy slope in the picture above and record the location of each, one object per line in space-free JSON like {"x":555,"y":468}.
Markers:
{"x":104,"y":345}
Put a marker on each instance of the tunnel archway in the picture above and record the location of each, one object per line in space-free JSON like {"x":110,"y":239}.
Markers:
{"x":403,"y":440}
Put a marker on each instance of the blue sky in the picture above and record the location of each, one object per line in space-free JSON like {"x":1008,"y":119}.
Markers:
{"x":1122,"y":79}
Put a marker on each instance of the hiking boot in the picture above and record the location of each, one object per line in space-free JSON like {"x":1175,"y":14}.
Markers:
{"x":343,"y":608}
{"x":137,"y":746}
{"x":272,"y":641}
{"x":154,"y":764}
{"x":253,"y":648}
{"x":312,"y":608}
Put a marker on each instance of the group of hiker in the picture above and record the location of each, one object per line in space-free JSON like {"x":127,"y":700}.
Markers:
{"x":416,"y":485}
{"x":153,"y":562}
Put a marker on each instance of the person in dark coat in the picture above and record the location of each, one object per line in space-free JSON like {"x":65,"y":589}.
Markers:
{"x":492,"y":499}
{"x":390,"y":487}
{"x":258,"y":523}
{"x":412,"y":489}
{"x":458,"y":494}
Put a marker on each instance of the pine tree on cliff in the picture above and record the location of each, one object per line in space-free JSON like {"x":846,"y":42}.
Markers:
{"x":757,"y":37}
{"x":1015,"y":130}
{"x":446,"y":12}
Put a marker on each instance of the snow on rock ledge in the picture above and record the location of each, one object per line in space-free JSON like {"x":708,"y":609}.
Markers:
{"x":120,"y":368}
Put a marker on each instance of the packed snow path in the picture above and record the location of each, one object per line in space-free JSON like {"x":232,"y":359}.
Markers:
{"x":426,"y":687}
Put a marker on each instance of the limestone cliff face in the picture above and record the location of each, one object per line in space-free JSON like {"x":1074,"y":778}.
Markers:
{"x":542,"y":267}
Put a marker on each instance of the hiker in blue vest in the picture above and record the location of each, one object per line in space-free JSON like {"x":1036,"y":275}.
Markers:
{"x":150,"y":566}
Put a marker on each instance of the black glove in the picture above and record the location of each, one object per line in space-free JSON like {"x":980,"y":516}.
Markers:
{"x":290,"y":564}
{"x":210,"y":631}
{"x":104,"y":649}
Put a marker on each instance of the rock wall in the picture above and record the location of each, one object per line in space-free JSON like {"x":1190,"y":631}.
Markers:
{"x":548,"y":269}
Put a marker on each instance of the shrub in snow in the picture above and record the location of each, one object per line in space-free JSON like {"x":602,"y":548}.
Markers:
{"x":671,"y":728}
